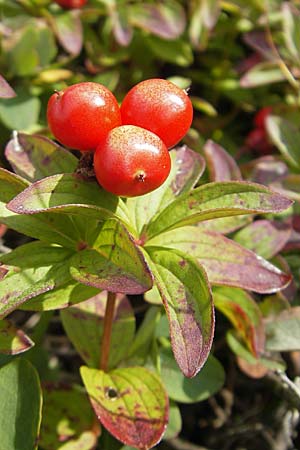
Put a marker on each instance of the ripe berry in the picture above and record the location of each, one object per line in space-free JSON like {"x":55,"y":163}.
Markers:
{"x":261,"y":116}
{"x":71,"y":4}
{"x":159,"y":106}
{"x":131,"y":161}
{"x":82,"y":114}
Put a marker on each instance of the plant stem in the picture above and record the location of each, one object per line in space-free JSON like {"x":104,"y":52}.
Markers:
{"x":107,"y":329}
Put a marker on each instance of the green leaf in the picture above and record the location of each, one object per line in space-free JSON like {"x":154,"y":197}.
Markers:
{"x":12,"y":340}
{"x":186,"y":295}
{"x":283,"y":331}
{"x":244,"y":314}
{"x":264,"y":237}
{"x":286,"y":137}
{"x":224,"y":261}
{"x":84,"y":326}
{"x":34,"y":157}
{"x":115,"y":263}
{"x":291,"y":29}
{"x":130,"y":402}
{"x":261,"y":74}
{"x":177,"y":51}
{"x":175,"y":422}
{"x":213,"y":200}
{"x":68,"y":193}
{"x":67,"y":419}
{"x":47,"y":227}
{"x":20,"y":112}
{"x":187,"y":168}
{"x":20,"y":406}
{"x":31,"y":269}
{"x":191,"y":390}
{"x":62,"y":296}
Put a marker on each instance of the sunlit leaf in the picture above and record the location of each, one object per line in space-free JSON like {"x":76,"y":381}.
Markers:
{"x":12,"y":340}
{"x":6,"y":91}
{"x":69,"y":31}
{"x":221,"y":166}
{"x":130,"y":402}
{"x":286,"y":136}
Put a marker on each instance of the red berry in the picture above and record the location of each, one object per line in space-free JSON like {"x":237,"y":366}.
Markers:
{"x":261,"y":116}
{"x":82,"y":114}
{"x":71,"y":4}
{"x":159,"y":106}
{"x":258,"y":141}
{"x":131,"y":161}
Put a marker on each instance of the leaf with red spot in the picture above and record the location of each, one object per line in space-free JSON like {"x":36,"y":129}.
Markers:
{"x":12,"y":340}
{"x":213,"y":200}
{"x":84,"y":326}
{"x":187,"y":298}
{"x":6,"y":91}
{"x":115,"y":263}
{"x":222,"y":167}
{"x":244,"y":314}
{"x":34,"y":157}
{"x":225,"y":261}
{"x":187,"y":168}
{"x":264,"y":237}
{"x":130,"y":402}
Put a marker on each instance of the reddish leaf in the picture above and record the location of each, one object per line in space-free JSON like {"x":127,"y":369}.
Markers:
{"x":68,"y":29}
{"x":12,"y":340}
{"x":243,"y":312}
{"x":225,"y":261}
{"x":264,"y":237}
{"x":130,"y":402}
{"x":259,"y":42}
{"x":5,"y":90}
{"x":222,"y":167}
{"x":187,"y":298}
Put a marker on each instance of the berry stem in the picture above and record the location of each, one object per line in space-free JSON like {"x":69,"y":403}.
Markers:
{"x":107,"y":329}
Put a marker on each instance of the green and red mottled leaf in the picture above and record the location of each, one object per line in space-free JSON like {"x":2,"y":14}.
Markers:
{"x":244,"y":314}
{"x":213,"y":200}
{"x":31,"y":269}
{"x":225,"y":225}
{"x":68,"y":193}
{"x":264,"y":237}
{"x":222,"y":167}
{"x":34,"y":157}
{"x":187,"y":298}
{"x":13,"y":340}
{"x":6,"y":91}
{"x":68,"y":420}
{"x":84,"y":326}
{"x":130,"y":402}
{"x":225,"y":261}
{"x":187,"y":168}
{"x":115,"y":263}
{"x":20,"y":406}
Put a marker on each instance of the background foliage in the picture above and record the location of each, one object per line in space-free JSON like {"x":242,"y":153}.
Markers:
{"x":236,"y":58}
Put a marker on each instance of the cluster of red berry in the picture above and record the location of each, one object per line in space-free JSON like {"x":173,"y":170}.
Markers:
{"x":71,"y":4}
{"x":131,"y":142}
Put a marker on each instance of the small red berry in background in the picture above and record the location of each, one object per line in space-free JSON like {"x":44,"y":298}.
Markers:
{"x":159,"y":106}
{"x":71,"y":4}
{"x":82,"y":114}
{"x":131,"y":161}
{"x":261,"y":116}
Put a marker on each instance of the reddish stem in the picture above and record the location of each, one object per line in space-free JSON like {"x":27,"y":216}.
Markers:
{"x":107,"y":330}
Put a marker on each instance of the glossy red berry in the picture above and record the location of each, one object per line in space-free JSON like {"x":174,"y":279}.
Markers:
{"x":71,"y":4}
{"x":82,"y":114}
{"x":131,"y":161}
{"x":159,"y":106}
